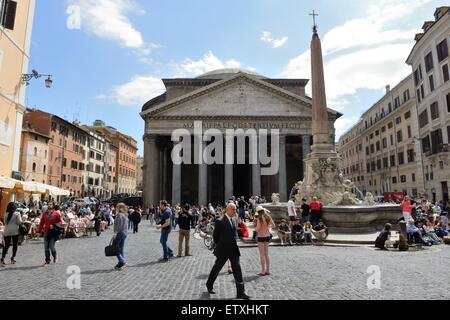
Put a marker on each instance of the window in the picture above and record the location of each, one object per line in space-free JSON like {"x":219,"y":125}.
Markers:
{"x":393,"y":161}
{"x":413,"y":177}
{"x":378,"y":146}
{"x":397,"y":102}
{"x":383,"y":129}
{"x":372,"y":148}
{"x":8,"y":10}
{"x":409,"y":132}
{"x":422,"y":91}
{"x":392,"y":140}
{"x":401,"y":159}
{"x":367,"y":151}
{"x":436,"y":141}
{"x":390,"y":125}
{"x":399,"y":136}
{"x":426,"y":144}
{"x":35,"y":151}
{"x":434,"y":110}
{"x":403,"y":179}
{"x":64,"y":162}
{"x":423,"y":119}
{"x":377,"y":133}
{"x":398,"y":120}
{"x":431,"y":79}
{"x":447,"y":98}
{"x":428,"y":62}
{"x":390,"y":107}
{"x":45,"y":154}
{"x":379,"y":164}
{"x":410,"y":153}
{"x":394,"y":180}
{"x":34,"y":167}
{"x":445,"y":72}
{"x":406,"y":96}
{"x":385,"y":162}
{"x":418,"y":95}
{"x":384,"y":143}
{"x":442,"y":50}
{"x":416,"y":77}
{"x":407,"y":115}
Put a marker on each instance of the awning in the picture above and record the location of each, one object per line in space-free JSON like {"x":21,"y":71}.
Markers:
{"x":33,"y":187}
{"x":8,"y":183}
{"x":54,"y":191}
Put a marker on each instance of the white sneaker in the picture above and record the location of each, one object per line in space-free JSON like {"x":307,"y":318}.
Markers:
{"x":282,"y":243}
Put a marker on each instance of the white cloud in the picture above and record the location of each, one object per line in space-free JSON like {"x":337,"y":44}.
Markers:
{"x":136,"y":92}
{"x":106,"y":19}
{"x":363,"y":53}
{"x":276,"y":43}
{"x":208,"y":63}
{"x":344,"y":123}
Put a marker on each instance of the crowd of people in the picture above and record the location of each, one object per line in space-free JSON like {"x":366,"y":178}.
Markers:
{"x":426,"y":223}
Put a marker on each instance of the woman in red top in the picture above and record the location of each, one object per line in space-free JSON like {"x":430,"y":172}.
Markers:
{"x":407,"y":208}
{"x":48,"y":220}
{"x":316,"y":211}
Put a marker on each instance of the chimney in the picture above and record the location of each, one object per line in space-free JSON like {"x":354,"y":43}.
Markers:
{"x":388,"y":89}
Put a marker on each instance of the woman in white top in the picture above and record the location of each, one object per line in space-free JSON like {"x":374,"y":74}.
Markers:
{"x":11,"y":233}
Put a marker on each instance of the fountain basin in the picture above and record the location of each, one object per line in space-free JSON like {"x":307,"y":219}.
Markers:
{"x":348,"y":219}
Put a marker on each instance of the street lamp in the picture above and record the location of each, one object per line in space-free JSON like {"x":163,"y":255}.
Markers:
{"x":34,"y":74}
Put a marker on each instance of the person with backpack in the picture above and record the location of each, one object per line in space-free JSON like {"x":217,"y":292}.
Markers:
{"x":49,"y":225}
{"x":165,"y":227}
{"x":11,"y":233}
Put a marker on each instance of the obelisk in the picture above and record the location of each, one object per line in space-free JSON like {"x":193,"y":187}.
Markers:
{"x":324,"y":176}
{"x":320,"y":123}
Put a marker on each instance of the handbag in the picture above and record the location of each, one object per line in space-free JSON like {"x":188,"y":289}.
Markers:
{"x":112,"y":250}
{"x":58,"y":231}
{"x":23,"y":230}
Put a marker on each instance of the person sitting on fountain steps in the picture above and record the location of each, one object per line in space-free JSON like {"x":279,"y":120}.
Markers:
{"x":284,"y":233}
{"x":385,"y":235}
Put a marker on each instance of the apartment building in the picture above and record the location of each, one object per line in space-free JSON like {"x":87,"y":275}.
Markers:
{"x":429,"y":60}
{"x":382,"y":152}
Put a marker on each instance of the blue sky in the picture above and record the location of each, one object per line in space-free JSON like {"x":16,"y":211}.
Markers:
{"x":107,"y":56}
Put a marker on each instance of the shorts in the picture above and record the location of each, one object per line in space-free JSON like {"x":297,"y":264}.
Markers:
{"x":292,"y":218}
{"x":266,"y":239}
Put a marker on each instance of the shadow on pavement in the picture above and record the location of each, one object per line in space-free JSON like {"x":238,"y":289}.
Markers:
{"x":21,"y":268}
{"x":98,"y":272}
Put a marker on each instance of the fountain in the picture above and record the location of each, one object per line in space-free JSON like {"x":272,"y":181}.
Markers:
{"x":345,"y":210}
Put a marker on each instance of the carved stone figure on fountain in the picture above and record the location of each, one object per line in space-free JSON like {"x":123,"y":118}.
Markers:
{"x":275,"y":198}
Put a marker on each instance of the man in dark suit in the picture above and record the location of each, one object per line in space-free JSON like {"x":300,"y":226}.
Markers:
{"x":225,"y":235}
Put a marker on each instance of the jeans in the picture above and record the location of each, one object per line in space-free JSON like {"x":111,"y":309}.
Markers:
{"x":15,"y":241}
{"x":120,"y":241}
{"x":49,"y":246}
{"x":166,"y":249}
{"x":130,"y":225}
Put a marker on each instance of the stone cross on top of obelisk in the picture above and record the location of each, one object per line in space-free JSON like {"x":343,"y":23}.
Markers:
{"x":314,"y":15}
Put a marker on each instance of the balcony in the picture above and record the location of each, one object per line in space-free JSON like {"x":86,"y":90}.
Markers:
{"x":440,"y":148}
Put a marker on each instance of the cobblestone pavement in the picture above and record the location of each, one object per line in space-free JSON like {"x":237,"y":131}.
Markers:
{"x":305,"y":272}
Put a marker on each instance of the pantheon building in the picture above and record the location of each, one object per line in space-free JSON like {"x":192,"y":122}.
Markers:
{"x":226,"y":99}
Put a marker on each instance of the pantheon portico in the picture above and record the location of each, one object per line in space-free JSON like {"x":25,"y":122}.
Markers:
{"x":226,"y":99}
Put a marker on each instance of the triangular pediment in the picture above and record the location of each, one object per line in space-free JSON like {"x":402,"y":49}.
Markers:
{"x":239,"y":96}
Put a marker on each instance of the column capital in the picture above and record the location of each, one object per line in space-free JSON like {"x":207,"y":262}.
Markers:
{"x":151,"y":138}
